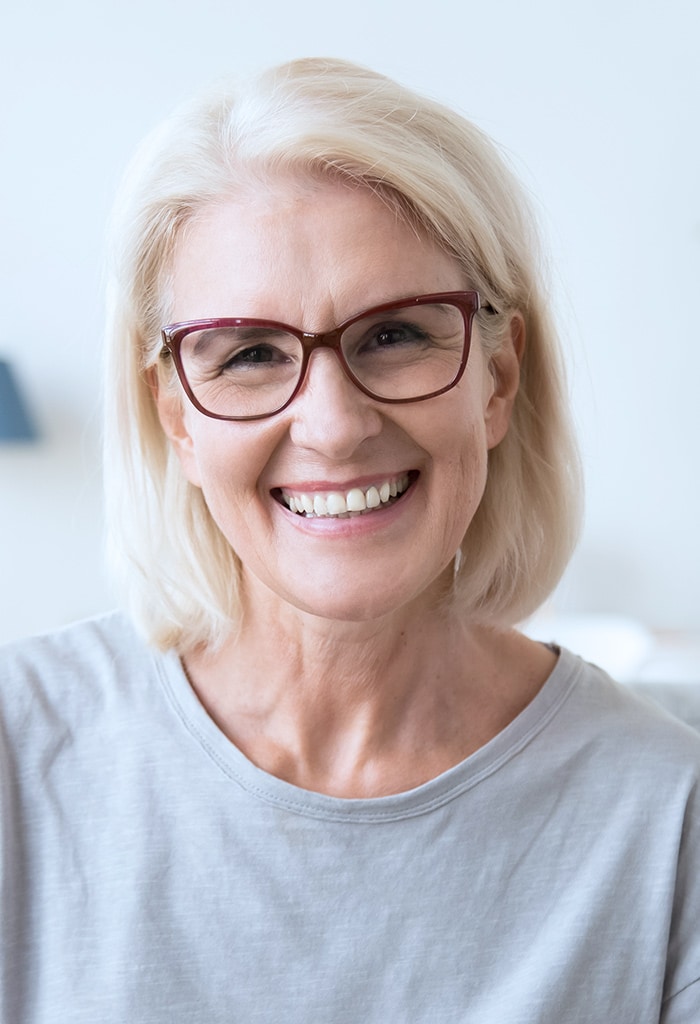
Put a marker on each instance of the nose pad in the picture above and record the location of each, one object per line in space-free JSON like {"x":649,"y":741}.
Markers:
{"x":330,"y":413}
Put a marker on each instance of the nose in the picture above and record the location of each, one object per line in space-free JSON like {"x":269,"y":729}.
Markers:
{"x":330,"y":415}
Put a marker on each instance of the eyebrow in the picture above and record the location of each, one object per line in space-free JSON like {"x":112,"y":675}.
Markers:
{"x":445,"y":308}
{"x":243,"y":332}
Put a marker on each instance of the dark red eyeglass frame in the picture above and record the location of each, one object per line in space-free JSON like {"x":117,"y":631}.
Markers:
{"x":469,"y":304}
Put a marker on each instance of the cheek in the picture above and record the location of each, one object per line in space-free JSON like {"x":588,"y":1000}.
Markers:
{"x":469,"y":472}
{"x":469,"y":453}
{"x":458,"y":468}
{"x":230,"y":459}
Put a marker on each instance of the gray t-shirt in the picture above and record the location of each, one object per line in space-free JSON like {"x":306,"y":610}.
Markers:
{"x":152,"y":875}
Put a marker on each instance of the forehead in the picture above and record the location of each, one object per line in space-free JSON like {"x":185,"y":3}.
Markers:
{"x":309,"y":252}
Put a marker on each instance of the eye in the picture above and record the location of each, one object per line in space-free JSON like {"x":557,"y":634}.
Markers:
{"x":237,"y":350}
{"x":403,"y":334}
{"x":383,"y":336}
{"x":256,"y":354}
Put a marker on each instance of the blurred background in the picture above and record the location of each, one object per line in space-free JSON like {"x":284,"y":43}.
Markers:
{"x":596,"y":106}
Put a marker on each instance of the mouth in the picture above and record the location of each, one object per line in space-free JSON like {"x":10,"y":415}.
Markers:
{"x":345,"y":504}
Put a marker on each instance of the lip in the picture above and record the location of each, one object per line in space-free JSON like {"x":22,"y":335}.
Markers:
{"x":345,"y":485}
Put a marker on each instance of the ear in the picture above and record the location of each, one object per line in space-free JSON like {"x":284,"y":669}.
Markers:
{"x":504,"y":368}
{"x":172,"y":419}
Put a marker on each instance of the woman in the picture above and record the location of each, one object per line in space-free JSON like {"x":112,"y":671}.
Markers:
{"x":322,"y":777}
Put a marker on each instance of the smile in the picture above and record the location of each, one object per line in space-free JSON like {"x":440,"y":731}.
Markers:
{"x":357,"y":501}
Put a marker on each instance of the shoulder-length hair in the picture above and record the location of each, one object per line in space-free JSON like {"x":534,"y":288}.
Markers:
{"x":178,"y":574}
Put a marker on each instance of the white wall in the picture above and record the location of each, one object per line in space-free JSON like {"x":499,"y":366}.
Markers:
{"x":598,"y":106}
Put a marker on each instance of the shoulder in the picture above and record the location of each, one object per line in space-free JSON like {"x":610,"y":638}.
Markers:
{"x":71,"y":671}
{"x":648,"y":769}
{"x":92,"y":644}
{"x":656,"y":708}
{"x":630,"y":733}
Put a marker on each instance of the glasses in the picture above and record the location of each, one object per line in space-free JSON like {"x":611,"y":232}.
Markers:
{"x":238,"y":368}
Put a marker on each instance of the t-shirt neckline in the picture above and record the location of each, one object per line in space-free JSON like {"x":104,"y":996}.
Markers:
{"x":423,"y":799}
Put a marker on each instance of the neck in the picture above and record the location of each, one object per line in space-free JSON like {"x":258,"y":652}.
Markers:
{"x":360,"y":708}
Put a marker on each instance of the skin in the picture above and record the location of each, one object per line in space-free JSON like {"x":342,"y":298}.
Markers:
{"x":348,"y":676}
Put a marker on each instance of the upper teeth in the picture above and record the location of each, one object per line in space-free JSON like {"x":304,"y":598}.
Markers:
{"x":339,"y":503}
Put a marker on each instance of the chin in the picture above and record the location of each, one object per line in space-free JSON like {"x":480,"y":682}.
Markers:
{"x":370,"y":603}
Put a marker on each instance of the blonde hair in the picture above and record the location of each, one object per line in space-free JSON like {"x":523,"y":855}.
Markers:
{"x":179,"y":576}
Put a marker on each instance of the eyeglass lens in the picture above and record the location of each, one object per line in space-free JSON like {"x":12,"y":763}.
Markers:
{"x":402,"y":354}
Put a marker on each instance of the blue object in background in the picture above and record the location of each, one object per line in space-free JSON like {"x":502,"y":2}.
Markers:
{"x":15,"y":422}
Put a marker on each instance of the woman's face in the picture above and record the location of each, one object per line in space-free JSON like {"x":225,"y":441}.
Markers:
{"x":312,"y":255}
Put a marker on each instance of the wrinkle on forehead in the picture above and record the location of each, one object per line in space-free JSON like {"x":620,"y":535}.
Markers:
{"x":306,"y":251}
